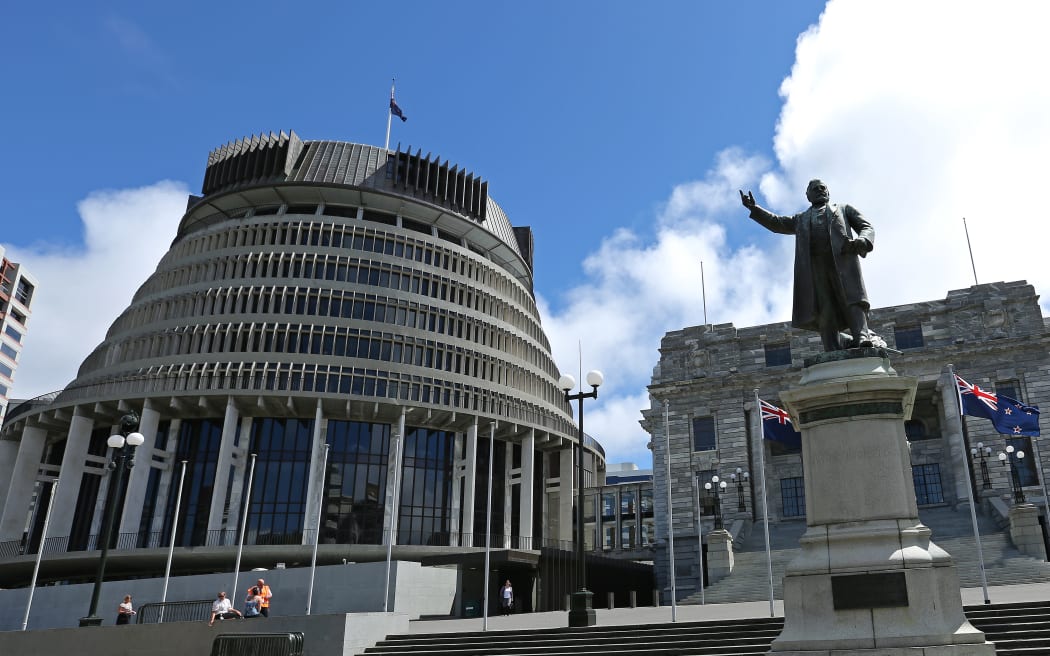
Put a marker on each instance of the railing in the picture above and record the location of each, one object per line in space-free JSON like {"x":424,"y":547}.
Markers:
{"x":174,"y":611}
{"x":258,"y":644}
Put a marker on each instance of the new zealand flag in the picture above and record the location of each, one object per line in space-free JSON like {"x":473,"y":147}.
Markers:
{"x":777,"y":426}
{"x":1009,"y":416}
{"x":395,"y":110}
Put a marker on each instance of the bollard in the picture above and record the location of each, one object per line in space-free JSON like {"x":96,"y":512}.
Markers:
{"x":612,"y":600}
{"x":656,"y":598}
{"x":634,"y":599}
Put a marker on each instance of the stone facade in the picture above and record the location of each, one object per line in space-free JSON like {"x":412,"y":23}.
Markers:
{"x":994,"y":334}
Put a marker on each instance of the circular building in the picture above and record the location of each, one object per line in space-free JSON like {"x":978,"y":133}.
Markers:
{"x":332,"y":340}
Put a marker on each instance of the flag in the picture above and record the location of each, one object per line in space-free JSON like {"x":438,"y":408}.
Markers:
{"x":1009,"y":416}
{"x":394,"y":109}
{"x":777,"y":426}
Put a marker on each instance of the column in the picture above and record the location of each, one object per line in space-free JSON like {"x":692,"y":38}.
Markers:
{"x":8,"y":456}
{"x":315,"y":482}
{"x":138,"y":477}
{"x":508,"y":496}
{"x":241,"y":464}
{"x":222,"y":468}
{"x":395,"y":466}
{"x":470,"y":476}
{"x":15,"y":510}
{"x":567,"y":471}
{"x":169,"y":478}
{"x":458,"y":469}
{"x":528,"y":471}
{"x":72,"y":471}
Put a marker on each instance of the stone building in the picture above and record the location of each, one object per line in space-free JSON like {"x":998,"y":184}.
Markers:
{"x":994,"y":334}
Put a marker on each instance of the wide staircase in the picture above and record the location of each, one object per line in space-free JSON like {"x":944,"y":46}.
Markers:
{"x":1016,"y":630}
{"x":952,"y":531}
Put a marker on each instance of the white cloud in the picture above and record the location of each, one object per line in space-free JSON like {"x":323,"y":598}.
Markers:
{"x":918,"y":114}
{"x":81,"y":292}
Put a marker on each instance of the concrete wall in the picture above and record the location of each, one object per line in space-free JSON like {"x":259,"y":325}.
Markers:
{"x":352,"y":588}
{"x":325,"y":635}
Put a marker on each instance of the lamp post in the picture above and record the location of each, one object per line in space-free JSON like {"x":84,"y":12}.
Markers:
{"x":122,"y":459}
{"x":982,"y":452}
{"x":581,"y":612}
{"x":716,"y":487}
{"x":739,"y":477}
{"x":1014,"y":457}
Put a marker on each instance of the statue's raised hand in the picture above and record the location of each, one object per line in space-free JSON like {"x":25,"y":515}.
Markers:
{"x":748,"y":200}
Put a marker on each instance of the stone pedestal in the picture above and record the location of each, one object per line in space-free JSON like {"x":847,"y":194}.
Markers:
{"x":868,"y":578}
{"x":719,"y":555}
{"x":1025,"y":532}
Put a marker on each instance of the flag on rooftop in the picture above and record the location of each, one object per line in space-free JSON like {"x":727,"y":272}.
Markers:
{"x":777,"y":426}
{"x":1009,"y":416}
{"x":394,"y":109}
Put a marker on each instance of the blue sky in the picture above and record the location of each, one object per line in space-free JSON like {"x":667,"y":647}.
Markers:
{"x":618,"y":131}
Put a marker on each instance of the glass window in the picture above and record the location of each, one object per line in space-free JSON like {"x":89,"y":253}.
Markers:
{"x":13,"y":333}
{"x":1026,"y":466}
{"x":1009,"y":388}
{"x":927,"y":480}
{"x":609,"y":537}
{"x":915,"y":430}
{"x":608,"y":506}
{"x":778,"y":354}
{"x":627,"y":536}
{"x":704,"y":438}
{"x":908,"y":337}
{"x":647,"y":503}
{"x":793,"y":496}
{"x":627,"y":504}
{"x":8,"y":351}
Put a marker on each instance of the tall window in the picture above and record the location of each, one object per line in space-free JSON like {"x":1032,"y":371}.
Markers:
{"x":778,"y":354}
{"x":1025,"y":466}
{"x":282,"y":472}
{"x":927,"y":480}
{"x":1009,"y":388}
{"x":704,"y":438}
{"x":198,"y":445}
{"x":426,"y":488}
{"x":355,"y":488}
{"x":793,"y":496}
{"x":908,"y":337}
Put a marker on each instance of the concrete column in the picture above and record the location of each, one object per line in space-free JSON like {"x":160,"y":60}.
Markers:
{"x":241,"y":463}
{"x":315,"y":480}
{"x":395,"y":467}
{"x":470,"y":478}
{"x":458,"y":468}
{"x":138,"y":477}
{"x":508,"y":496}
{"x":1025,"y":532}
{"x":567,"y":471}
{"x":216,"y":517}
{"x":22,"y":479}
{"x":169,"y":476}
{"x":719,"y":555}
{"x":8,"y":456}
{"x":528,"y":469}
{"x":72,"y":471}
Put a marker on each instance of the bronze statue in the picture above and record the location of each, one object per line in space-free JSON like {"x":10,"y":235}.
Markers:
{"x":829,"y":294}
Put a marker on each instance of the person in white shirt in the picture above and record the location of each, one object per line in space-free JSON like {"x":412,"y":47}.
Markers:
{"x":223,"y":609}
{"x":506,"y":595}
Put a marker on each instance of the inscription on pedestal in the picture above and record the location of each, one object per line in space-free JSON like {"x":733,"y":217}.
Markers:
{"x":852,"y":591}
{"x":848,"y":410}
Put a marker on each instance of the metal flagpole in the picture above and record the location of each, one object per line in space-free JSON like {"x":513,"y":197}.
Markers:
{"x":969,"y":486}
{"x":765,"y":504}
{"x":389,"y":116}
{"x":39,"y":554}
{"x":700,"y":539}
{"x":244,"y":528}
{"x":394,"y":499}
{"x":972,"y":265}
{"x":317,"y":534}
{"x":1042,"y":478}
{"x":670,"y":512}
{"x":703,"y":290}
{"x":171,"y":545}
{"x":488,"y":528}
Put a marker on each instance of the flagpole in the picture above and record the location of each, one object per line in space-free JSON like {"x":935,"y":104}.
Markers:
{"x":39,"y":552}
{"x":703,"y":290}
{"x":700,"y":538}
{"x":972,"y":265}
{"x":317,"y":534}
{"x":399,"y":441}
{"x":765,"y":505}
{"x":171,"y":545}
{"x":244,"y":526}
{"x":389,"y":116}
{"x":488,"y":527}
{"x":969,"y":485}
{"x":670,"y":511}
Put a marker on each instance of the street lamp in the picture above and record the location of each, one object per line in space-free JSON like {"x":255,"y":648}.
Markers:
{"x":581,"y":611}
{"x":739,"y":477}
{"x":1014,"y":457}
{"x":981,"y":451}
{"x":716,"y":487}
{"x":122,"y":459}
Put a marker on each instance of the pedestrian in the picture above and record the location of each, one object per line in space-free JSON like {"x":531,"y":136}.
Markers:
{"x":252,"y":603}
{"x":265,"y":594}
{"x":506,"y":596}
{"x":223,"y":609}
{"x":125,"y":611}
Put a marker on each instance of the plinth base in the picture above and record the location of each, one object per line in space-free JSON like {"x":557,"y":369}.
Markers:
{"x":581,"y":611}
{"x":91,"y":620}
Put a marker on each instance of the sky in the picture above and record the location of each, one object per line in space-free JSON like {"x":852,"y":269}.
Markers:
{"x":618,"y":131}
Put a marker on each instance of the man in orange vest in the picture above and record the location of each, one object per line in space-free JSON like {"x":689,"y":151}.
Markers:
{"x":264,"y":592}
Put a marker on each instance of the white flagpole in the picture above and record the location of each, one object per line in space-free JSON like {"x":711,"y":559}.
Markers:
{"x":488,"y":527}
{"x":389,"y":116}
{"x":171,"y":545}
{"x":39,"y":554}
{"x":1042,"y":478}
{"x":670,"y":512}
{"x":244,"y":527}
{"x":969,"y":484}
{"x":317,"y":533}
{"x":700,"y":538}
{"x":765,"y":504}
{"x":394,"y":500}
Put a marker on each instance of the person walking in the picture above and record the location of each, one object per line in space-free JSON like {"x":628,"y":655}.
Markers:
{"x":125,"y":611}
{"x":506,"y":596}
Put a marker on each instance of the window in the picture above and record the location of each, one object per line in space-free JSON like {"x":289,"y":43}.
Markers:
{"x":927,"y":480}
{"x":908,"y":337}
{"x":778,"y":354}
{"x":915,"y":430}
{"x":704,"y":438}
{"x":793,"y":497}
{"x":609,"y":506}
{"x":8,"y":351}
{"x":24,"y":293}
{"x":1025,"y":466}
{"x":6,"y":370}
{"x":1009,"y":388}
